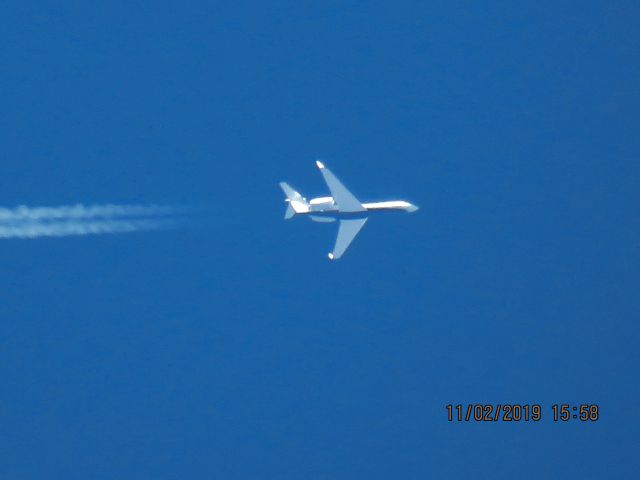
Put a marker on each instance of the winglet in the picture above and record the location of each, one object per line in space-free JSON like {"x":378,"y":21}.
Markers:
{"x":319,"y":164}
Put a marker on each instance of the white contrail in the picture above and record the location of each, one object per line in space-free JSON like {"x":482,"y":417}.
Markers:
{"x":66,"y":228}
{"x":23,"y":212}
{"x":34,"y":222}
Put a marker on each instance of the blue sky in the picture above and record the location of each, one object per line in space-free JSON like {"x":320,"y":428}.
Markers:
{"x":235,"y":349}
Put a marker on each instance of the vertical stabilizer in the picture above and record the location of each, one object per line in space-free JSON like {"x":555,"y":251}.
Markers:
{"x":297,"y":203}
{"x":290,"y":212}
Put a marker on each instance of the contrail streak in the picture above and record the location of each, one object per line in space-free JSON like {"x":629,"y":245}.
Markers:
{"x":35,"y":222}
{"x":23,"y":212}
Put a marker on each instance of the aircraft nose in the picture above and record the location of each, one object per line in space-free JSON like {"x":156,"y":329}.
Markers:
{"x":412,"y":208}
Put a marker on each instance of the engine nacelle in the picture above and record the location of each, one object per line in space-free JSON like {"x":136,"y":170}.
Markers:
{"x":322,"y":203}
{"x":317,"y":218}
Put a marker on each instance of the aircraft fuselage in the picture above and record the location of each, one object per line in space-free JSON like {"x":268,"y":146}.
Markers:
{"x":326,"y":207}
{"x":342,"y":205}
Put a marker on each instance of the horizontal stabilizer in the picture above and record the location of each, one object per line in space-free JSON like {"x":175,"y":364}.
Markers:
{"x":290,"y":192}
{"x":296,"y":201}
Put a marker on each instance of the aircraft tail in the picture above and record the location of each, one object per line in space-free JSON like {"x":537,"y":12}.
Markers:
{"x":297,"y":203}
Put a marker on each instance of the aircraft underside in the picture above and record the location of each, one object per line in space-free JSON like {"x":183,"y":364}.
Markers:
{"x":341,"y":206}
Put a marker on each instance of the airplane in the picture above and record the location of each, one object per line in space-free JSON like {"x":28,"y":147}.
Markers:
{"x":342,"y":205}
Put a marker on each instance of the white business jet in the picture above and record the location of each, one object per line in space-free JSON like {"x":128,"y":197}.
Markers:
{"x":342,"y":205}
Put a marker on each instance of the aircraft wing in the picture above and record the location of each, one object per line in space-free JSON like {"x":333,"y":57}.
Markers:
{"x":344,"y":198}
{"x":347,"y":231}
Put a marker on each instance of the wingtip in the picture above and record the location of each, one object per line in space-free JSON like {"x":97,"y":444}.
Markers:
{"x":319,"y":164}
